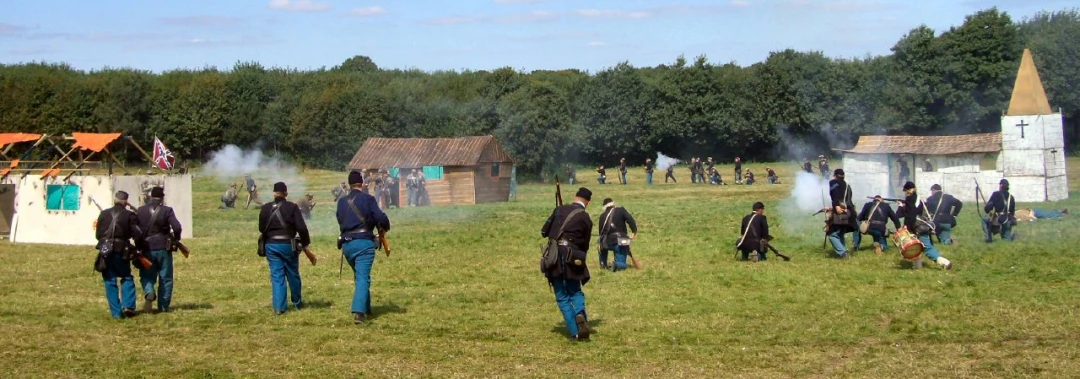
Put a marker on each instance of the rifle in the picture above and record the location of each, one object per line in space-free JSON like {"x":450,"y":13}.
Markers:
{"x":637,"y":265}
{"x":383,"y":242}
{"x":183,"y":248}
{"x":310,"y":256}
{"x":978,"y":195}
{"x":888,"y":199}
{"x":138,"y":255}
{"x":558,"y":192}
{"x":769,"y":246}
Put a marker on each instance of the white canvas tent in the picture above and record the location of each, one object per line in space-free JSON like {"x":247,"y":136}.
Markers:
{"x":51,"y":208}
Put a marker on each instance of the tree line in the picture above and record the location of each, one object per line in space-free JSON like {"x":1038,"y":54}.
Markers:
{"x":793,"y":104}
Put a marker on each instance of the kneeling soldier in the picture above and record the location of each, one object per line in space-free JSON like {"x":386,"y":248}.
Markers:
{"x":754,"y":229}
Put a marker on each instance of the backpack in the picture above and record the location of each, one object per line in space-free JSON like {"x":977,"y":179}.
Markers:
{"x":549,"y":253}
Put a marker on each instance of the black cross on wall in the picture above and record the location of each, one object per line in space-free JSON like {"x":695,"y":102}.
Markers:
{"x":1022,"y":125}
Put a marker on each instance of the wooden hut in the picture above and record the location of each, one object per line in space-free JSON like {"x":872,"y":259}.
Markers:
{"x":468,"y":170}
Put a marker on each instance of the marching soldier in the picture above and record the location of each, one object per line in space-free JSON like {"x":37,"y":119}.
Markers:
{"x":771,"y":175}
{"x":252,"y":191}
{"x":603,"y":175}
{"x":571,"y":174}
{"x":738,"y":171}
{"x":411,"y":185}
{"x":614,"y":221}
{"x":877,"y":213}
{"x":648,"y":171}
{"x":927,"y":166}
{"x":306,"y":204}
{"x":698,"y":171}
{"x":806,"y":166}
{"x":393,"y":191}
{"x":1000,"y":213}
{"x":709,"y":164}
{"x":572,"y":272}
{"x":622,"y":170}
{"x":116,"y":228}
{"x":359,"y":217}
{"x":421,"y":190}
{"x":162,"y":232}
{"x":755,"y":234}
{"x":912,"y":209}
{"x":943,"y":209}
{"x":842,"y":220}
{"x":229,"y":198}
{"x":670,"y":174}
{"x":280,"y":223}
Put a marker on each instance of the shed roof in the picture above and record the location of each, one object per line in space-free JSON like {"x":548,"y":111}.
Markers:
{"x":419,"y":152}
{"x":927,"y":145}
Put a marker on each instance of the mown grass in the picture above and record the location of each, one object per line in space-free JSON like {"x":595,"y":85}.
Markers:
{"x":461,"y":296}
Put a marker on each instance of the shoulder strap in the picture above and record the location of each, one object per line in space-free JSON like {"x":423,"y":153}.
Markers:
{"x":355,"y":210}
{"x":748,"y":223}
{"x":112,"y":226}
{"x":872,"y":211}
{"x":603,"y":229}
{"x":847,"y":193}
{"x":938,"y":207}
{"x":153,"y":221}
{"x":570,"y":216}
{"x":275,"y":214}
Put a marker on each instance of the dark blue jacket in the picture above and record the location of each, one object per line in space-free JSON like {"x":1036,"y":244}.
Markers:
{"x":368,"y":208}
{"x":1001,"y":202}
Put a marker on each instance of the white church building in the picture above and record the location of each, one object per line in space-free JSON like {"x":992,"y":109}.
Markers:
{"x":1029,"y":152}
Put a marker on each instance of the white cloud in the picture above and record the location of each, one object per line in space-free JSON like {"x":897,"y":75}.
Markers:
{"x":299,"y":5}
{"x":368,"y":11}
{"x":10,"y":29}
{"x":608,"y":14}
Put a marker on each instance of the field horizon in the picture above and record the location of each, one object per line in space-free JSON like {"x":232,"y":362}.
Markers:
{"x":461,"y":296}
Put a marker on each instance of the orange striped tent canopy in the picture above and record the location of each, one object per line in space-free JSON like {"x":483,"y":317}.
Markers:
{"x":95,"y":142}
{"x":11,"y":138}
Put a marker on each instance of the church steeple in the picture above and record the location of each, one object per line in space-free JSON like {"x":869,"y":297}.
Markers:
{"x":1028,"y":96}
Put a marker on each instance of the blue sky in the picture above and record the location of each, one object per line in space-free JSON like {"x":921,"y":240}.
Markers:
{"x":463,"y":34}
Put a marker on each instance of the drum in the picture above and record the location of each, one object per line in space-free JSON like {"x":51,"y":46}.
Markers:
{"x":910,"y":246}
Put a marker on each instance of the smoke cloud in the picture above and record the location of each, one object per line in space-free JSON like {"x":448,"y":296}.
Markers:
{"x":809,"y":195}
{"x":231,"y":163}
{"x":664,"y":161}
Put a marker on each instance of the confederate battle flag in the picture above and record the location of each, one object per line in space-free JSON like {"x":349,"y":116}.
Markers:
{"x":163,"y":158}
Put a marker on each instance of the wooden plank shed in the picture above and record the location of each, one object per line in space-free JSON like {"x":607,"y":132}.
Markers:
{"x":467,"y":170}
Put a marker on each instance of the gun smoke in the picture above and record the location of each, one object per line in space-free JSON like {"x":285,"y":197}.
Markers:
{"x":664,"y":161}
{"x":229,"y":165}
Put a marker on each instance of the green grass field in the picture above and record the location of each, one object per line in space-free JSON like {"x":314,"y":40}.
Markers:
{"x":461,"y":296}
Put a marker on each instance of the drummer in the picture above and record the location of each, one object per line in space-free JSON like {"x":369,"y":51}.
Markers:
{"x":911,"y":209}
